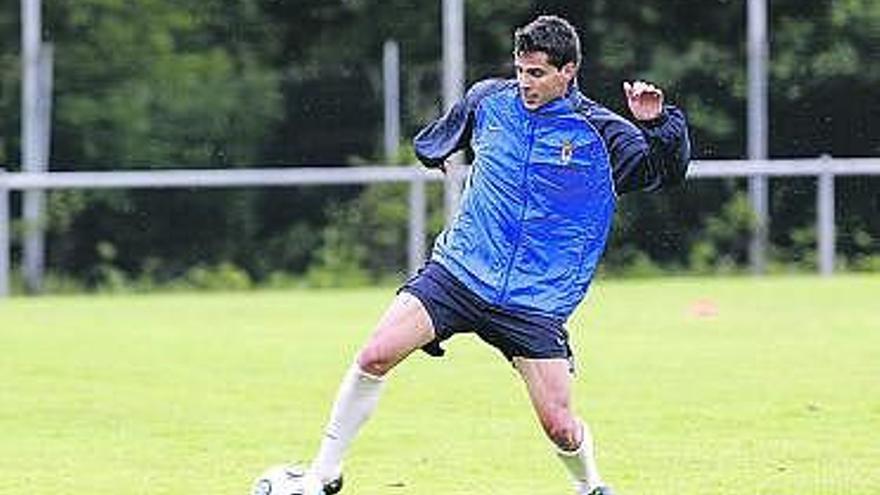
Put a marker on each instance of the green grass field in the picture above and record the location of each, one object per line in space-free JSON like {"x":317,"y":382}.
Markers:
{"x":777,"y":393}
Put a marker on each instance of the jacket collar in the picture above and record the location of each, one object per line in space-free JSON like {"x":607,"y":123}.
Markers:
{"x":564,"y":104}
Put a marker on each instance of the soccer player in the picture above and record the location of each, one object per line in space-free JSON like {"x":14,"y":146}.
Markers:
{"x":548,"y":167}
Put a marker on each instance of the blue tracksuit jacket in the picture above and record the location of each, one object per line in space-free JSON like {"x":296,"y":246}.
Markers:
{"x":537,"y":207}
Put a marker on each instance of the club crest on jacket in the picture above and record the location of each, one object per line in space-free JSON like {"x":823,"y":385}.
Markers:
{"x":567,"y":152}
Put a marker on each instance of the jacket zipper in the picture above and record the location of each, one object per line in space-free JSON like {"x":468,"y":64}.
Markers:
{"x":522,"y":215}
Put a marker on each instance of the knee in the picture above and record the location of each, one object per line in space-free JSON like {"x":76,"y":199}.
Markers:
{"x":562,"y":428}
{"x":373,"y":360}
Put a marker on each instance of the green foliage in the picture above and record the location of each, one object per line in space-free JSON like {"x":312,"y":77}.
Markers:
{"x":62,"y":209}
{"x":341,"y":257}
{"x":158,"y":84}
{"x":867,"y":263}
{"x":723,"y":241}
{"x":366,"y":239}
{"x":235,"y":83}
{"x":803,"y":246}
{"x":107,"y":277}
{"x":285,"y":252}
{"x":223,"y":277}
{"x":637,"y":264}
{"x":161,"y":94}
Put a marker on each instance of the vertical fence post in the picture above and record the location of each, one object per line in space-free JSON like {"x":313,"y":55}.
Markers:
{"x":453,"y":90}
{"x":825,"y":221}
{"x":417,"y":215}
{"x":36,"y":90}
{"x":758,"y":55}
{"x":391,"y":90}
{"x":4,"y":235}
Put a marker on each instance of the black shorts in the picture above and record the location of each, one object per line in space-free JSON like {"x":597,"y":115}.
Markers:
{"x":454,"y":308}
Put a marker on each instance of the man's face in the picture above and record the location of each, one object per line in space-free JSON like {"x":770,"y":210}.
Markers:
{"x":539,"y":81}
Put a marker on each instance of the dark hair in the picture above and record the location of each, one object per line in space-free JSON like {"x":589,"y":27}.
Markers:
{"x":552,"y":35}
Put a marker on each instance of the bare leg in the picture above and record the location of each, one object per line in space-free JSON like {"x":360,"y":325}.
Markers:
{"x":549,"y":385}
{"x":403,"y":328}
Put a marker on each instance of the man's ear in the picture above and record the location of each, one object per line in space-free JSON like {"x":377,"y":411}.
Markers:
{"x":569,"y":70}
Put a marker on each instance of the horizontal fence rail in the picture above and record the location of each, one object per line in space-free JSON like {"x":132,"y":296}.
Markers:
{"x":824,"y":168}
{"x":701,"y":169}
{"x":208,"y":178}
{"x":342,"y":175}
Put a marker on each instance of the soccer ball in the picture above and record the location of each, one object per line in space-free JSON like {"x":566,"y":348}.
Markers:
{"x":286,"y":480}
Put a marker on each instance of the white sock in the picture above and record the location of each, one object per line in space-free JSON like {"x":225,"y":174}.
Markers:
{"x":357,"y":398}
{"x":581,"y":464}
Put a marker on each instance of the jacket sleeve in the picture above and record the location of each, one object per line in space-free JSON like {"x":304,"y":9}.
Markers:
{"x":452,"y":132}
{"x":650,"y":155}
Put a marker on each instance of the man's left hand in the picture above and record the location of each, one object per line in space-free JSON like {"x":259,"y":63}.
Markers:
{"x":645,"y":100}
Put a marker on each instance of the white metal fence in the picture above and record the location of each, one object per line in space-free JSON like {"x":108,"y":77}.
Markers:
{"x":826,"y":169}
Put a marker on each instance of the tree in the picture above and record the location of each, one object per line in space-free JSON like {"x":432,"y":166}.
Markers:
{"x":211,"y":83}
{"x":152,"y":84}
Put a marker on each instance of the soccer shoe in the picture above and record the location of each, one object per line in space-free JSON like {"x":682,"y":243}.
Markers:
{"x":333,"y":487}
{"x":313,"y":486}
{"x":601,"y":490}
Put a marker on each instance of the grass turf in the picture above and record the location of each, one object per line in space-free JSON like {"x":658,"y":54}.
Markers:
{"x":697,"y":386}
